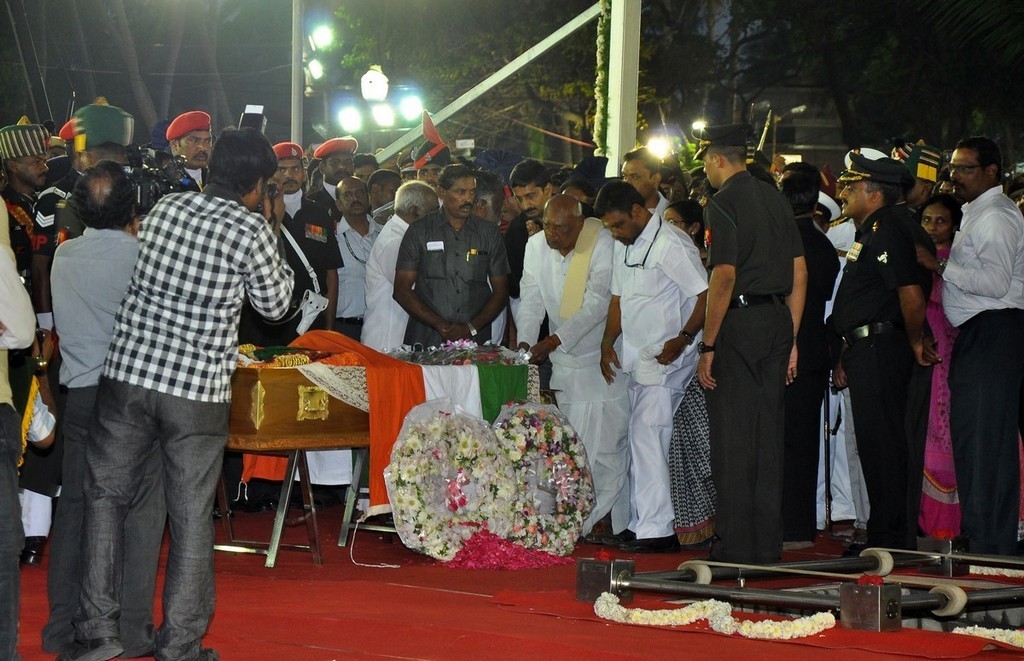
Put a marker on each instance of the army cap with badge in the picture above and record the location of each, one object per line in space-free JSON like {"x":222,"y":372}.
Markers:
{"x":722,"y":135}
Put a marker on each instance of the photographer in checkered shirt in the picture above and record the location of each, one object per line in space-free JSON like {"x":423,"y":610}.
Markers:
{"x":166,"y":387}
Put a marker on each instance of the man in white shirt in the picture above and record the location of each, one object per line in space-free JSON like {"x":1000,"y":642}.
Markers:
{"x":659,"y":289}
{"x":567,"y":274}
{"x":983,"y":295}
{"x":356,"y":233}
{"x":385,"y":320}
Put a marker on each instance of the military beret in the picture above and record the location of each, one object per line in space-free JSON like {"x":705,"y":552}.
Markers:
{"x":430,"y":153}
{"x":883,"y":170}
{"x":185,"y":123}
{"x":99,"y":123}
{"x":67,"y":132}
{"x":23,"y":139}
{"x":334,"y":145}
{"x":924,"y":162}
{"x":723,"y":135}
{"x":284,"y":150}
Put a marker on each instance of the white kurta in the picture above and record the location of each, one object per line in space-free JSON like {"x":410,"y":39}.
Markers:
{"x":385,"y":320}
{"x":355,"y":251}
{"x":657,"y":280}
{"x":599,"y":412}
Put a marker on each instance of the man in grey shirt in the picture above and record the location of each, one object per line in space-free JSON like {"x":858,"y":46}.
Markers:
{"x":90,"y":275}
{"x":458,"y":266}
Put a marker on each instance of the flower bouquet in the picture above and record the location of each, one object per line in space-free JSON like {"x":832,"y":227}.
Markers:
{"x":461,"y":352}
{"x":448,"y":479}
{"x":550,"y":463}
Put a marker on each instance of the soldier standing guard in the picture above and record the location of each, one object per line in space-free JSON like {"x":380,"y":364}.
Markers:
{"x":755,"y":301}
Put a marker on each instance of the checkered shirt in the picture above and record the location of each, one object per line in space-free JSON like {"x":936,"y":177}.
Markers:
{"x":177,"y":329}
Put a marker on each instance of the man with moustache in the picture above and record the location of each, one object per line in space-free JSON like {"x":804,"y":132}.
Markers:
{"x":190,"y":137}
{"x":356,"y":233}
{"x":336,"y":163}
{"x":457,"y":264}
{"x":531,"y":185}
{"x":23,"y":154}
{"x":642,"y":170}
{"x":307,"y":228}
{"x":983,"y":295}
{"x":658,"y":290}
{"x":880,"y":313}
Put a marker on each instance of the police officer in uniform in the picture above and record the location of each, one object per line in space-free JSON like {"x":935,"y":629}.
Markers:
{"x":880,"y":313}
{"x":755,"y":301}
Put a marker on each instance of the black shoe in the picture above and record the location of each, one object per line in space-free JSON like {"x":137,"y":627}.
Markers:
{"x":32,"y":553}
{"x":97,"y":649}
{"x":666,"y":544}
{"x":615,"y":539}
{"x":854,"y":549}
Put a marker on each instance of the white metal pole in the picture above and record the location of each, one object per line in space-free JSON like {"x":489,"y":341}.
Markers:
{"x":298,"y":79}
{"x":623,"y":76}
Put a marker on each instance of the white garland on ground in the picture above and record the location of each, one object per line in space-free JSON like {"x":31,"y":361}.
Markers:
{"x":995,"y":571}
{"x":719,"y":617}
{"x":1009,"y":636}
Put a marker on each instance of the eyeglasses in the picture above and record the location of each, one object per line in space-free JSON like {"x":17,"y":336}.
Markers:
{"x":643,"y":262}
{"x":963,"y":169}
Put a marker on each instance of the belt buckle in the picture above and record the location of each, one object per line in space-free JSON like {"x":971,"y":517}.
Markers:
{"x":742,"y":301}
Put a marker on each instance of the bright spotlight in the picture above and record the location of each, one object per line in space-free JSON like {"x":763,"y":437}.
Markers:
{"x":700,"y":125}
{"x":350,"y":119}
{"x":316,"y":69}
{"x":660,"y":147}
{"x":383,"y":115}
{"x":411,"y":108}
{"x":322,"y":37}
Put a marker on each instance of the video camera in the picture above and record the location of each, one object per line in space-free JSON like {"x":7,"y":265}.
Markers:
{"x":153,"y":179}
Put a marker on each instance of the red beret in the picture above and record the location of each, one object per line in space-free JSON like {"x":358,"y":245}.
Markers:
{"x":185,"y":123}
{"x":348,"y":143}
{"x":67,"y":132}
{"x":285,"y":150}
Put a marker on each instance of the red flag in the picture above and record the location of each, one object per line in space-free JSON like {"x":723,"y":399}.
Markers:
{"x":430,"y":131}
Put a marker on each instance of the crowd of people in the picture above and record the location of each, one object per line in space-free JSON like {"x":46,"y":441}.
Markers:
{"x":695,"y":328}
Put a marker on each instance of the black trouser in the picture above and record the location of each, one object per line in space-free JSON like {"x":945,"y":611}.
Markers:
{"x":803,"y":440}
{"x":919,"y":399}
{"x":878,"y":371}
{"x":984,"y":381}
{"x":745,"y":412}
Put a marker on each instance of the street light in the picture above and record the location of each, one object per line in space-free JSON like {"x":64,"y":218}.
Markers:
{"x":351,"y":119}
{"x":699,"y":125}
{"x":322,"y":37}
{"x":383,"y":115}
{"x":411,"y":108}
{"x":374,"y":84}
{"x":316,"y":69}
{"x":659,"y":146}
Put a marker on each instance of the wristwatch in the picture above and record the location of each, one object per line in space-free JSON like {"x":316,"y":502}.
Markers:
{"x":705,"y":348}
{"x":472,"y":331}
{"x":942,"y":266}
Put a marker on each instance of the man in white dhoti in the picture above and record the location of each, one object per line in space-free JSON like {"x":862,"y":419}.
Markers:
{"x":659,"y":288}
{"x":567,"y":272}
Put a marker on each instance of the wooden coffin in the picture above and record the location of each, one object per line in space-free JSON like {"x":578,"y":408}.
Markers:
{"x":281,"y":404}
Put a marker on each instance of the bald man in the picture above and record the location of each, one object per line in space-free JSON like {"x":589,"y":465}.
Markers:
{"x":567,"y":271}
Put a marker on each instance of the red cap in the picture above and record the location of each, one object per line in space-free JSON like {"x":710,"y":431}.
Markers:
{"x":185,"y":123}
{"x":67,"y":132}
{"x":285,"y":150}
{"x":348,"y":143}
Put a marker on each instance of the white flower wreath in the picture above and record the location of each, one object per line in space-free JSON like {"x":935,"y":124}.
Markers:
{"x":551,"y":463}
{"x":447,"y":479}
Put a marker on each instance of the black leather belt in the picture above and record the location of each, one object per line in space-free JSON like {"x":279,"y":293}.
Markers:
{"x":748,"y":300}
{"x":355,"y":321}
{"x":868,"y":330}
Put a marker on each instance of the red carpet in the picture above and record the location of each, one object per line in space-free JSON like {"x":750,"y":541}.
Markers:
{"x":423,"y":610}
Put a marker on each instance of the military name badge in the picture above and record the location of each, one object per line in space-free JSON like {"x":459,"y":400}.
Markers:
{"x":854,"y":252}
{"x":707,"y":237}
{"x":316,"y":233}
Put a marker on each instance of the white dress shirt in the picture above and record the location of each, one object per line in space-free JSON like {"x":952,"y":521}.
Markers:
{"x":385,"y":320}
{"x":986,"y":263}
{"x":657,"y":298}
{"x":541,"y":289}
{"x":355,"y":251}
